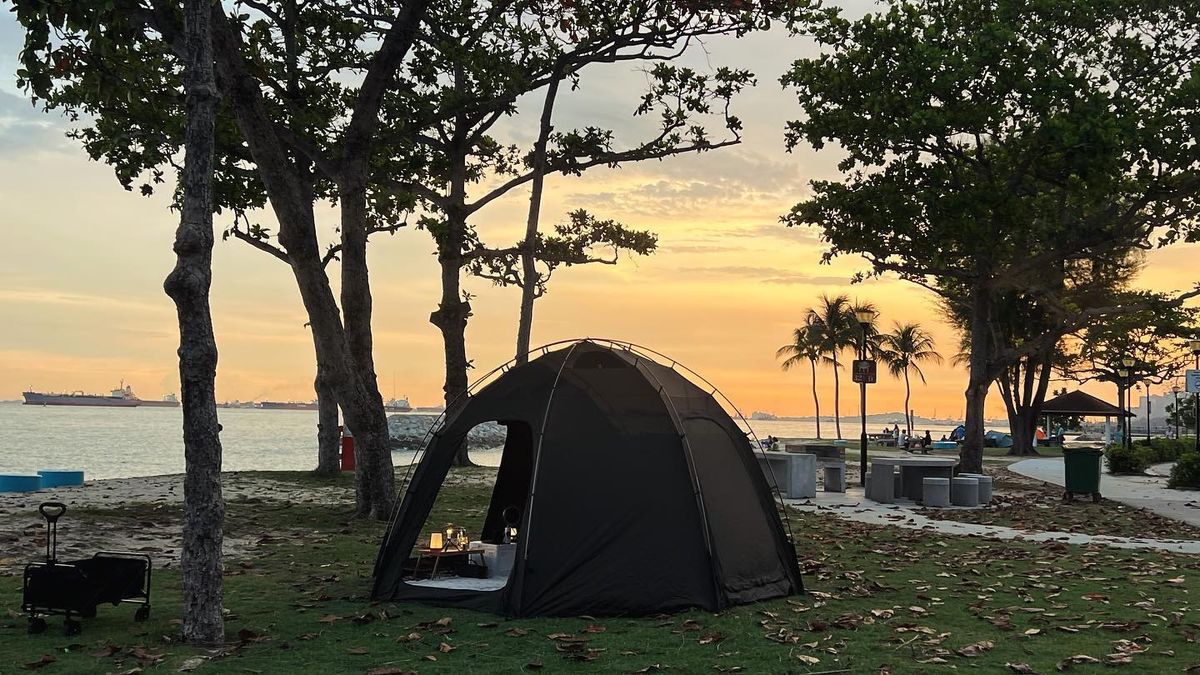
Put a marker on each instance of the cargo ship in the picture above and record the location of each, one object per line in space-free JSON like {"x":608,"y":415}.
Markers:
{"x":121,"y":397}
{"x":287,"y":405}
{"x":397,"y":405}
{"x":394,"y":405}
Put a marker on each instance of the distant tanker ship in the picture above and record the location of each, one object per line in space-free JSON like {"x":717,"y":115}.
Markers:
{"x":121,"y":397}
{"x":394,"y":405}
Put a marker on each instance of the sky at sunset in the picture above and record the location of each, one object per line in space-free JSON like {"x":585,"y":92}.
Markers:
{"x":82,"y":263}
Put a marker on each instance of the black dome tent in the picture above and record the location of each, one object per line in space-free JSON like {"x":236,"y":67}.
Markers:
{"x":636,"y":493}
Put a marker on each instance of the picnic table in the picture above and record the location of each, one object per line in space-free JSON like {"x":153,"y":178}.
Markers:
{"x":794,"y":474}
{"x":913,"y":470}
{"x":882,"y":439}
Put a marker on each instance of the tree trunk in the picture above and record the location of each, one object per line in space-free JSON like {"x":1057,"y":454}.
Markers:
{"x":374,"y":474}
{"x":1023,"y":427}
{"x":837,"y":399}
{"x":329,"y":446}
{"x":451,"y":319}
{"x":908,"y":421}
{"x":529,"y":273}
{"x":816,"y":399}
{"x":980,"y":379}
{"x":188,"y":286}
{"x":291,"y":199}
{"x":453,"y":311}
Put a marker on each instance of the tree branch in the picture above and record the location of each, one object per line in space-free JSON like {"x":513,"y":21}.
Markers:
{"x":611,"y":159}
{"x":260,"y":244}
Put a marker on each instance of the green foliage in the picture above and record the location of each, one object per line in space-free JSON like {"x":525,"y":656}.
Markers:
{"x":978,"y":136}
{"x":905,"y":348}
{"x":1186,"y":472}
{"x":582,"y":240}
{"x":1001,"y":153}
{"x":1159,"y":450}
{"x":834,"y":323}
{"x":1123,"y":460}
{"x":1184,"y":414}
{"x":806,"y":345}
{"x":1153,"y":330}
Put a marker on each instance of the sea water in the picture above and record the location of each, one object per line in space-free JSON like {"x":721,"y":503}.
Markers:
{"x":127,"y":442}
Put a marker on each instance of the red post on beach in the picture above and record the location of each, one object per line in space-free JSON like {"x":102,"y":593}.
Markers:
{"x":347,"y":449}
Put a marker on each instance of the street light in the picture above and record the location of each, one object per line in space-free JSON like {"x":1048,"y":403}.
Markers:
{"x":865,"y":317}
{"x":1195,"y":345}
{"x":1175,"y":391}
{"x":1122,"y":374}
{"x":1147,"y":413}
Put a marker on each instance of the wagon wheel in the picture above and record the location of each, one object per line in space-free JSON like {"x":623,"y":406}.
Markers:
{"x":1095,"y":497}
{"x":37,"y":625}
{"x":1068,"y":497}
{"x":142,"y":613}
{"x":72,"y":627}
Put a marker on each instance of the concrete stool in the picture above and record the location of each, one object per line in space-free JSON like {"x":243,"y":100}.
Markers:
{"x":964,"y":491}
{"x":20,"y":482}
{"x":60,"y":477}
{"x":834,"y":476}
{"x":880,"y":484}
{"x":935,"y":492}
{"x":803,"y":470}
{"x":985,"y":486}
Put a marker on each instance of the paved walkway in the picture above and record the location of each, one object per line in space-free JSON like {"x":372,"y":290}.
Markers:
{"x":1148,"y":492}
{"x":852,"y":505}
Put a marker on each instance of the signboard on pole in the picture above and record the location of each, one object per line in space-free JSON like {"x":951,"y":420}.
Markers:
{"x":1193,"y":381}
{"x":864,"y":371}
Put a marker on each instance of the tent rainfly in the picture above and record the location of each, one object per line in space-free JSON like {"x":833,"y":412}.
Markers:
{"x":637,"y":494}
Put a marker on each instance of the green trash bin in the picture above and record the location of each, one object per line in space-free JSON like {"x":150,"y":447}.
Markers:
{"x":1082,"y":467}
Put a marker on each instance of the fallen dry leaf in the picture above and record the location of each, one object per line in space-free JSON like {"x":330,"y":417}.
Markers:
{"x":40,"y":663}
{"x":191,"y":664}
{"x":975,"y":649}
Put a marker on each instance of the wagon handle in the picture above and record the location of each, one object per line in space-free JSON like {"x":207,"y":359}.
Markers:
{"x":52,"y":511}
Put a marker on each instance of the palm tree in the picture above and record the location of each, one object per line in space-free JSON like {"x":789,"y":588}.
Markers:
{"x":805,"y":346}
{"x":903,"y":350}
{"x":839,"y":330}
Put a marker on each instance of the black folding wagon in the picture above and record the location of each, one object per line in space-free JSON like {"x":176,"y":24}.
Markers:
{"x":74,"y":589}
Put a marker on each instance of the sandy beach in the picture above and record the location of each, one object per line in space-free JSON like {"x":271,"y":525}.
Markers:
{"x":137,"y":514}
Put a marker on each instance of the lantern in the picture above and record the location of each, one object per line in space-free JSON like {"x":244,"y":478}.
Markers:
{"x":435,"y":541}
{"x":456,"y":537}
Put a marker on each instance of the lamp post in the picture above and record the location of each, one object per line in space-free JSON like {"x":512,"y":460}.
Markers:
{"x":1195,"y":345}
{"x":1147,"y":413}
{"x":865,"y":318}
{"x":1127,"y":431}
{"x":1119,"y":377}
{"x":1175,"y":391}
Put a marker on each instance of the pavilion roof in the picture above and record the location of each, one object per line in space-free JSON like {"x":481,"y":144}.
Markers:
{"x":1084,"y":404}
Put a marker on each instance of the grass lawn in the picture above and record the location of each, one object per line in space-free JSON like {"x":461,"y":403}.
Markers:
{"x":881,"y":600}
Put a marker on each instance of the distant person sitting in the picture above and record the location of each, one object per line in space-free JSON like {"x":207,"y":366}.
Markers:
{"x":943,"y":437}
{"x":903,"y":442}
{"x":926,"y":443}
